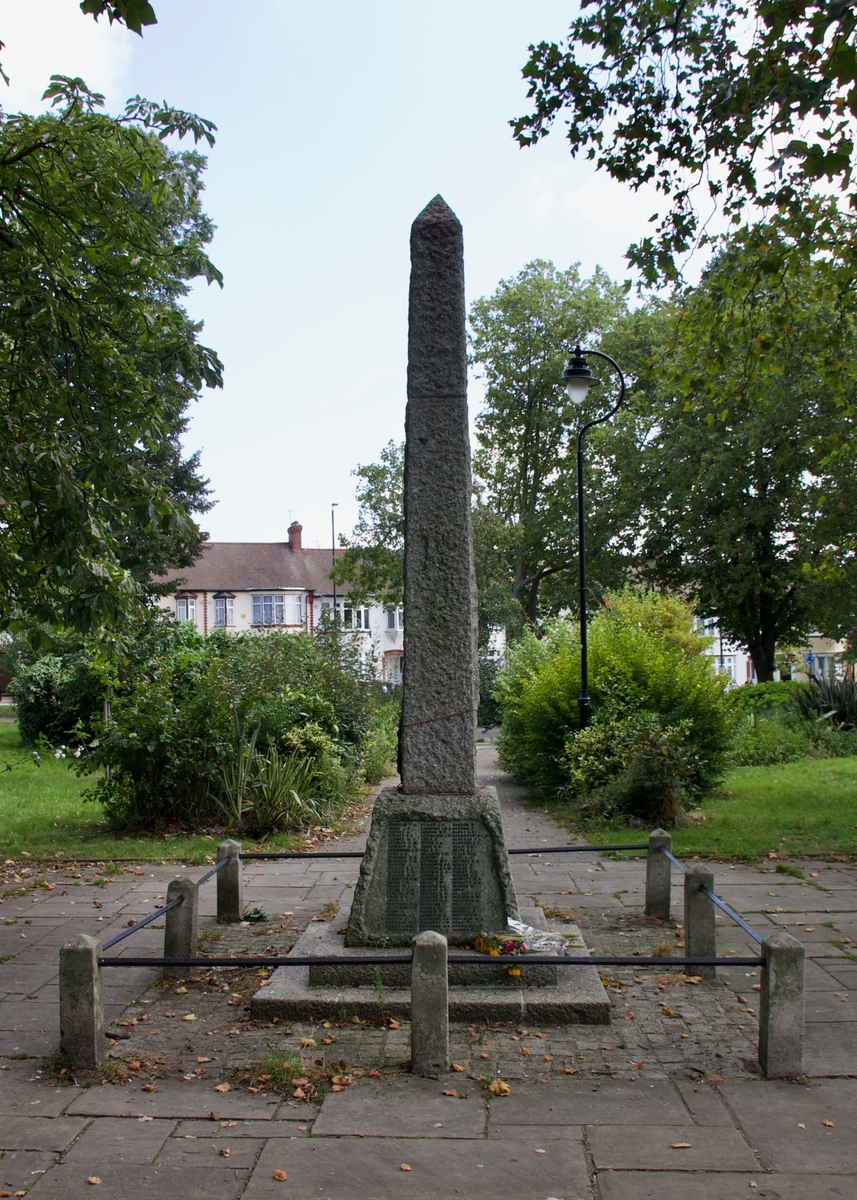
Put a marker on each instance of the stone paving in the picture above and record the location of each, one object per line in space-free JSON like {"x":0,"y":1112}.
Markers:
{"x":665,"y":1099}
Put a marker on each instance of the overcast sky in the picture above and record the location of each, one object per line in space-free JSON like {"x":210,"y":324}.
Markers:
{"x":337,"y":124}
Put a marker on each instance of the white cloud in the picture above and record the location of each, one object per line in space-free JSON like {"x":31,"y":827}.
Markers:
{"x":53,"y":37}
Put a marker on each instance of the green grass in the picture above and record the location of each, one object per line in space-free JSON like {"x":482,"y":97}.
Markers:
{"x":801,"y":809}
{"x":43,"y":814}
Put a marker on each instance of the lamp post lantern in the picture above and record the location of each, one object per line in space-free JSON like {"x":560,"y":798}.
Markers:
{"x":577,"y":378}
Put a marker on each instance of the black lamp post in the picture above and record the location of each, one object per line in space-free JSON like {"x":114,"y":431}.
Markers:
{"x":578,"y":379}
{"x":334,"y":505}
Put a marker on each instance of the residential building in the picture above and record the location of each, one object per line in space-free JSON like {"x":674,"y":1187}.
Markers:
{"x":259,"y":586}
{"x":820,"y":656}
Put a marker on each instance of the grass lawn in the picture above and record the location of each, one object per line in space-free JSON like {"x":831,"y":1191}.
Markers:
{"x":43,"y":814}
{"x":802,"y":809}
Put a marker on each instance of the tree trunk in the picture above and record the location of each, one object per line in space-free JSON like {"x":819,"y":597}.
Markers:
{"x":762,"y":653}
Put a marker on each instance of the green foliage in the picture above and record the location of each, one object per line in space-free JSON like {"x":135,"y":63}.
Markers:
{"x":758,"y":697}
{"x":833,"y":700}
{"x":101,"y":233}
{"x":752,"y":104}
{"x":490,"y":665}
{"x":184,"y":743}
{"x":374,"y":555}
{"x":745,"y":474}
{"x":381,"y":745}
{"x":519,"y":338}
{"x":53,"y":695}
{"x":648,"y":674}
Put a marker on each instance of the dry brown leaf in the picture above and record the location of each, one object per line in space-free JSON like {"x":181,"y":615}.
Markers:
{"x":223,"y":1151}
{"x":299,"y":1094}
{"x":828,"y":1124}
{"x":133,"y":1066}
{"x":189,"y":1017}
{"x":449,"y":1092}
{"x":801,"y":1125}
{"x":181,"y":991}
{"x":308,"y":1043}
{"x":223,"y":1087}
{"x":281,"y":1175}
{"x":212,"y":1116}
{"x":499,"y":1088}
{"x":147,"y":1087}
{"x":456,"y":1067}
{"x":203,"y":1059}
{"x":525,"y":1052}
{"x":569,"y":1071}
{"x":373,"y":1074}
{"x":93,"y":1179}
{"x":228,"y":1124}
{"x":681,"y":1146}
{"x":404,"y":1167}
{"x":391,"y":1024}
{"x":437,"y":1125}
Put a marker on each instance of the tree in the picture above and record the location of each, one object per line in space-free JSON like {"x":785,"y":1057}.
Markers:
{"x":747,"y":475}
{"x":100,"y":230}
{"x":755,"y":102}
{"x":374,"y":554}
{"x":520,"y":337}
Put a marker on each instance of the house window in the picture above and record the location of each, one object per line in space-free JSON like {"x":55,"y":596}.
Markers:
{"x":824,"y":667}
{"x":727,"y":665}
{"x":277,"y":609}
{"x":355,"y":618}
{"x":395,"y":619}
{"x":186,"y":609}
{"x":224,"y":611}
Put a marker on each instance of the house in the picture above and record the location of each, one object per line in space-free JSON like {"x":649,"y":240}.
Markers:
{"x":258,"y":586}
{"x":820,"y":657}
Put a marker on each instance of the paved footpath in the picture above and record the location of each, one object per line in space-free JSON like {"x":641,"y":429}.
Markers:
{"x":665,"y":1102}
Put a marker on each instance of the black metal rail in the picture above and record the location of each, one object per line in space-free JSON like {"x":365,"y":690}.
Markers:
{"x":349,"y":960}
{"x":153,"y":916}
{"x":286,"y":854}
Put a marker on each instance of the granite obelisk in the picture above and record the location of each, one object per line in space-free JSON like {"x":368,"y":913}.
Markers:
{"x":435,"y":856}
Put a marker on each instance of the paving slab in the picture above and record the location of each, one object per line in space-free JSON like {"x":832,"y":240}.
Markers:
{"x":831,"y":1006}
{"x":580,"y":1102}
{"x":121,"y":1182}
{"x":111,"y":1139}
{"x":665,"y":1148}
{"x":370,"y":1169}
{"x":249,"y":1129}
{"x":831,"y":1049}
{"x":663,"y":1185}
{"x":32,"y":1097}
{"x":190,"y":1153}
{"x":171,"y":1099}
{"x":771,"y":1114}
{"x":40,"y":1133}
{"x":20,"y":1168}
{"x":704,"y":1103}
{"x":400,"y":1108}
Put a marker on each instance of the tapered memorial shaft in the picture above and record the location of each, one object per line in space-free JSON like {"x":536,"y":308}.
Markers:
{"x":441,"y":685}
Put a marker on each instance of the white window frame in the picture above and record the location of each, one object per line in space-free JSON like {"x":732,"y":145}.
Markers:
{"x":186,"y":610}
{"x":276,"y":608}
{"x":395,"y":619}
{"x":226,"y":605}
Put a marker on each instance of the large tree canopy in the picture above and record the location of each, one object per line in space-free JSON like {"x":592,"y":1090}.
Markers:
{"x":753,"y":102}
{"x":745,"y":467}
{"x":101,"y":229}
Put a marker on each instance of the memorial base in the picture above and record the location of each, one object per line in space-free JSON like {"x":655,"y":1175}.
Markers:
{"x":543,"y":995}
{"x":432,"y":862}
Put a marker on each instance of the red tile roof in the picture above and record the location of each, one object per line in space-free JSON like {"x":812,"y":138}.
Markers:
{"x":256,"y":566}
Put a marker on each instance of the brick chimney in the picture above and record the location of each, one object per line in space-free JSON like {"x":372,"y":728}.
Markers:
{"x":295,"y":531}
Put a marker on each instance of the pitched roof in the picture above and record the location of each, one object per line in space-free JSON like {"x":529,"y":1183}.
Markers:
{"x":255,"y":566}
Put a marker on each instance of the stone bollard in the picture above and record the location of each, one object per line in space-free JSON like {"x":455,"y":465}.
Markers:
{"x":230,"y":891}
{"x":181,"y":922}
{"x":81,"y":1003}
{"x":429,"y":1006}
{"x":658,"y":876}
{"x":700,"y":939}
{"x":781,"y":1009}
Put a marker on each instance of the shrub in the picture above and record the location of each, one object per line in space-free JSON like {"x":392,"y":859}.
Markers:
{"x":780,"y":694}
{"x":381,"y":744}
{"x":649,"y":680}
{"x":53,"y":695}
{"x":834,"y":700}
{"x":771,"y":736}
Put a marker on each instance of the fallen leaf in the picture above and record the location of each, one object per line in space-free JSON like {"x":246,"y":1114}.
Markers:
{"x":525,"y":1052}
{"x":668,"y":1012}
{"x":222,"y":1087}
{"x":299,"y":1094}
{"x":189,"y":1017}
{"x":308,"y":1043}
{"x":391,"y":1024}
{"x":93,"y":1179}
{"x":499,"y":1088}
{"x":181,"y":991}
{"x":456,"y":1066}
{"x":133,"y":1066}
{"x":148,"y":1087}
{"x":569,"y":1071}
{"x":449,"y":1092}
{"x":484,"y":1055}
{"x":203,"y":1059}
{"x":404,"y":1167}
{"x":681,"y":1145}
{"x":829,"y":1124}
{"x":801,"y":1125}
{"x":223,"y":1151}
{"x":281,"y":1175}
{"x":373,"y":1074}
{"x":437,"y":1125}
{"x":228,"y":1124}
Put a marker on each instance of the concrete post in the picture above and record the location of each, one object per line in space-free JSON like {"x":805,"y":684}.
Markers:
{"x":700,"y":939}
{"x":429,"y":1006}
{"x":81,"y":1003}
{"x":181,"y":922}
{"x":781,"y":1009}
{"x":230,"y":891}
{"x":658,"y":876}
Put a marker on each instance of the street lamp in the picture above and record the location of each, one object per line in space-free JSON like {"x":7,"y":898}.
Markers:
{"x":334,"y":505}
{"x":578,"y":379}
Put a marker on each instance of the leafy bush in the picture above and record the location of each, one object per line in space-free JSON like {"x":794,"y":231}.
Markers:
{"x":54,"y":694}
{"x":381,"y":744}
{"x":651,"y":687}
{"x":834,"y":700}
{"x":771,"y":736}
{"x":171,"y":742}
{"x":783,"y":694}
{"x":490,"y":665}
